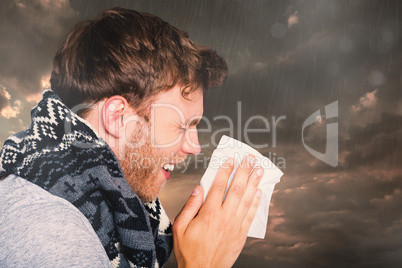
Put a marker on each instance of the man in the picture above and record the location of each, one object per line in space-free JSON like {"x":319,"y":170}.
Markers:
{"x":80,"y":185}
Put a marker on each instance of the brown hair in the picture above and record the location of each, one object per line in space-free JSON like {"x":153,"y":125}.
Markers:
{"x":132,"y":54}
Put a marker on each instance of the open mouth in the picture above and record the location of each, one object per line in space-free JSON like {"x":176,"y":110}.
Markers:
{"x":168,"y":167}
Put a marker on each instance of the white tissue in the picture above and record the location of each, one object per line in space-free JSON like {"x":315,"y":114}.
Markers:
{"x":229,"y":147}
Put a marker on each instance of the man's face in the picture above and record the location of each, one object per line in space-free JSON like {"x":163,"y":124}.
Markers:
{"x":166,"y":140}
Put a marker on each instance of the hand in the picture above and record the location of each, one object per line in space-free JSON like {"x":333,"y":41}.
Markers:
{"x":216,"y":235}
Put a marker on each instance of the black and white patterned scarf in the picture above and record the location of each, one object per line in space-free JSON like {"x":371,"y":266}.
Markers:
{"x":61,"y":153}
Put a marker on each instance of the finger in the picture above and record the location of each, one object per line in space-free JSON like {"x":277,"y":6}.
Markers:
{"x":239,"y":183}
{"x":248,"y":197}
{"x":248,"y":220}
{"x":189,"y":211}
{"x":219,"y":185}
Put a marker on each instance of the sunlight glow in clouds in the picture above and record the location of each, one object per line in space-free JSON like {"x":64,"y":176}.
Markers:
{"x":45,"y":81}
{"x":8,"y":111}
{"x":34,"y":98}
{"x":293,"y":19}
{"x":367,"y":101}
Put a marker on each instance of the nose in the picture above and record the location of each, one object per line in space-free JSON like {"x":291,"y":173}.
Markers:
{"x":191,"y":144}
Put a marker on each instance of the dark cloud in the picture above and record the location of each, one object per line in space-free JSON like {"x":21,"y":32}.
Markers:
{"x":376,"y":143}
{"x":333,"y":221}
{"x":30,"y":32}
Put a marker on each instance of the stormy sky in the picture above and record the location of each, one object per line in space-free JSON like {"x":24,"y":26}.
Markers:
{"x":287,"y":60}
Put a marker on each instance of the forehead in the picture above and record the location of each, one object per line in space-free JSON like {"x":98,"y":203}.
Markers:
{"x":173,"y":101}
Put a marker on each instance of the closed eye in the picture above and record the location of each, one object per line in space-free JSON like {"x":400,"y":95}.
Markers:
{"x":194,"y":122}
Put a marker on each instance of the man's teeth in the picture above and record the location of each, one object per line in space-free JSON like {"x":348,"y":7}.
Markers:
{"x":168,"y":167}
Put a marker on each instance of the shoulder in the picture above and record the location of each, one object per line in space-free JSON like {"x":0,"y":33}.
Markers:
{"x":38,"y":229}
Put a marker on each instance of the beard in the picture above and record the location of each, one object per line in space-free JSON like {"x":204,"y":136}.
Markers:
{"x":141,"y":167}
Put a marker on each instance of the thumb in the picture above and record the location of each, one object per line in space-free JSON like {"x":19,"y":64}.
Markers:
{"x":189,"y":210}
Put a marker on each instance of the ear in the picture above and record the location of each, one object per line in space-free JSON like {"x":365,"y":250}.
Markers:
{"x":113,"y":112}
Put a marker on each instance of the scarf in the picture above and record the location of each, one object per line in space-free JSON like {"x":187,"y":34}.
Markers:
{"x":62,"y":153}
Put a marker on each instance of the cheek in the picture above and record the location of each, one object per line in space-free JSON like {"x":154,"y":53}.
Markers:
{"x":169,"y":149}
{"x":166,"y":132}
{"x":167,"y":137}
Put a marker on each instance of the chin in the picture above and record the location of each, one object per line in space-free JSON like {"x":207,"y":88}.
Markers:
{"x":148,"y":185}
{"x":151,"y":194}
{"x":149,"y":198}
